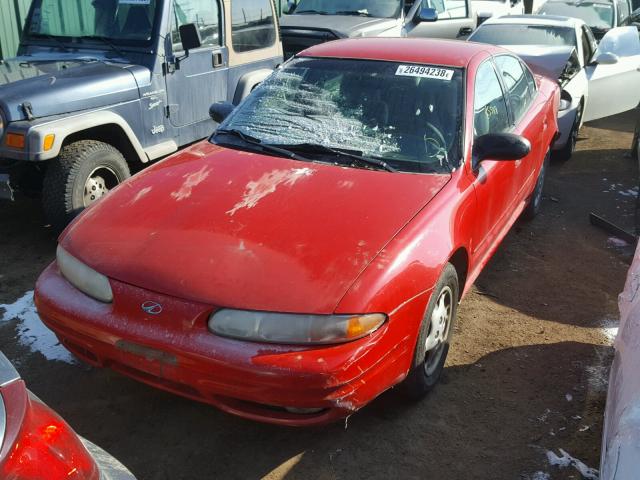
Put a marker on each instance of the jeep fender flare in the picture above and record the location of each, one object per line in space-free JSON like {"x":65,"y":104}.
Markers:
{"x":248,"y":82}
{"x":65,"y":127}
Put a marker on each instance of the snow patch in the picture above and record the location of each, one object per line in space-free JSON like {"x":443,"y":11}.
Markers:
{"x":540,"y":476}
{"x":31,"y":332}
{"x":566,"y":460}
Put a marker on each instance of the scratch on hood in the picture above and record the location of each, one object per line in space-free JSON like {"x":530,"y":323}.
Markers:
{"x":267,"y":184}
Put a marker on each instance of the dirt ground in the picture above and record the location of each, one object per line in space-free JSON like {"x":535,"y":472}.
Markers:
{"x":527,"y":371}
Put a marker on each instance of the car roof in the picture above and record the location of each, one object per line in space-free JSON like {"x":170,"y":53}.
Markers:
{"x":453,"y":53}
{"x":548,"y":20}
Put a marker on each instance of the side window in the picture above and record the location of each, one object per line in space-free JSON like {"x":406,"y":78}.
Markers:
{"x":447,"y":9}
{"x":252,"y":25}
{"x":518,"y":94}
{"x":205,"y":14}
{"x":490,"y":109}
{"x":586,"y":47}
{"x":623,"y":12}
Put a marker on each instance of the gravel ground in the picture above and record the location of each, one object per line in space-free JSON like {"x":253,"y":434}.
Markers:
{"x":527,"y":372}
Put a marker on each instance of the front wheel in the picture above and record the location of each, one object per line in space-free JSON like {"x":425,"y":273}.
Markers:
{"x":434,"y":336}
{"x":83,"y":173}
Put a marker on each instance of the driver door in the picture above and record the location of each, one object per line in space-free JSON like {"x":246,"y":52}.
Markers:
{"x":614,"y":78}
{"x":196,"y":80}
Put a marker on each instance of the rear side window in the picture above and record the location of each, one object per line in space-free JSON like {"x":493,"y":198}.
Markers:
{"x":623,"y":12}
{"x":252,"y":25}
{"x":490,"y":108}
{"x":205,"y":14}
{"x":518,"y":92}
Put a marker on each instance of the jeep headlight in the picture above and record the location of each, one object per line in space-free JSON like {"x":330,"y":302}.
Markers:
{"x":84,"y":278}
{"x":1,"y":124}
{"x":290,"y":328}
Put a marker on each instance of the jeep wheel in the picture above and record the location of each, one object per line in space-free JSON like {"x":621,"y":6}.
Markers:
{"x":85,"y":171}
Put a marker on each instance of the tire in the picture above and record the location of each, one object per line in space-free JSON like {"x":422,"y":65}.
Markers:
{"x":83,"y":172}
{"x":566,"y":152}
{"x":533,"y":206}
{"x":428,"y":363}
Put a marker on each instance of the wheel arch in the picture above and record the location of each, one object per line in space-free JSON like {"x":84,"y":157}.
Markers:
{"x":104,"y":126}
{"x":460,"y":261}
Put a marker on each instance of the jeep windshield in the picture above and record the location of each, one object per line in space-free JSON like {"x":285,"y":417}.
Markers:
{"x":122,"y":22}
{"x":367,"y":8}
{"x":407,"y":116}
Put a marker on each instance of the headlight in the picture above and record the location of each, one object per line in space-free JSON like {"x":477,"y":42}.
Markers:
{"x":82,"y":277}
{"x":290,"y":328}
{"x":1,"y":124}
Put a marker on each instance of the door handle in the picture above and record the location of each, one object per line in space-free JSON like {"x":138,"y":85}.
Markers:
{"x":218,"y":60}
{"x":464,"y":31}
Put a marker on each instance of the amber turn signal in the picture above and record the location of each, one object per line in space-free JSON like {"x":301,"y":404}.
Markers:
{"x":15,"y":140}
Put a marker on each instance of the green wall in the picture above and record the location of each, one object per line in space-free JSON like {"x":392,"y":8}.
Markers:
{"x":12,"y":15}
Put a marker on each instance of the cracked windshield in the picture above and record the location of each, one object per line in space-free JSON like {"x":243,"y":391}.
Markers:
{"x":383,"y":114}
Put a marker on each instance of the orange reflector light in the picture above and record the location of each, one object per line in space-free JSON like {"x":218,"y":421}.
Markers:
{"x":15,"y":140}
{"x":48,"y":142}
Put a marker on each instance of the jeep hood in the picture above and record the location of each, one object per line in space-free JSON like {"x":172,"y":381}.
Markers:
{"x":543,"y":59}
{"x":59,"y":87}
{"x":245,"y":230}
{"x":342,"y":26}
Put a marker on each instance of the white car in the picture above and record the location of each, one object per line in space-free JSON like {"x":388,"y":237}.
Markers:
{"x":486,"y":9}
{"x":600,"y":15}
{"x":596,"y":80}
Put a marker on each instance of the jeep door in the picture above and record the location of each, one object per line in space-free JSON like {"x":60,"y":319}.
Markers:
{"x":455,"y":19}
{"x":197,"y":78}
{"x":614,"y":74}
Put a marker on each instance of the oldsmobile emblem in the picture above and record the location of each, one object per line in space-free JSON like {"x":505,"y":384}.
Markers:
{"x":152,"y":308}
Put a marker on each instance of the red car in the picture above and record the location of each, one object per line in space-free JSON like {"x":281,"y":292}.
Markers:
{"x":36,"y":444}
{"x":312,"y":253}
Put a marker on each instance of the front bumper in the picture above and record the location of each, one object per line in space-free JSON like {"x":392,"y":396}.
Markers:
{"x":174,"y":351}
{"x":566,"y":119}
{"x":6,"y":191}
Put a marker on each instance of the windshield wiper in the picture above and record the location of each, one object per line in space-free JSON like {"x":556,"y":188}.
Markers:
{"x":51,"y":37}
{"x":358,"y":13}
{"x":104,"y":40}
{"x":342,"y":152}
{"x":310,"y":12}
{"x":283,"y":152}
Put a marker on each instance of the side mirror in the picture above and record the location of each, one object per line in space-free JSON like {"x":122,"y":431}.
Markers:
{"x":606,"y":58}
{"x":220,"y":110}
{"x":499,"y":146}
{"x":427,"y":15}
{"x":190,"y":37}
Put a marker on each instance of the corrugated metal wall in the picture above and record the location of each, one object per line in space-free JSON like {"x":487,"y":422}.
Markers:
{"x":12,"y":15}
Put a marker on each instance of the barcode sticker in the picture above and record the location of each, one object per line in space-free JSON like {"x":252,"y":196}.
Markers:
{"x":425,"y":72}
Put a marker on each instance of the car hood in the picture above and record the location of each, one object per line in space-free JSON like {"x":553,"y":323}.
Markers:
{"x":245,"y":230}
{"x":342,"y":26}
{"x":60,"y":87}
{"x":543,"y":59}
